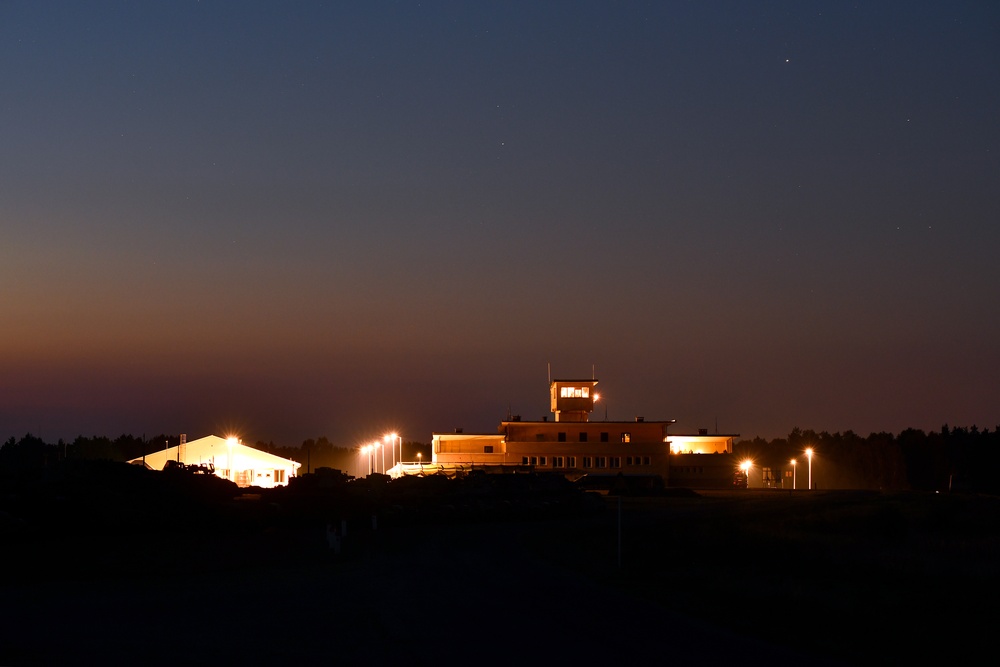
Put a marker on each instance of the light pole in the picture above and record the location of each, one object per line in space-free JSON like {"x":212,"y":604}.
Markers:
{"x":378,"y":445}
{"x":794,"y":470}
{"x":745,"y":467}
{"x":420,"y":460}
{"x":809,"y":455}
{"x":364,"y":453}
{"x":391,"y":439}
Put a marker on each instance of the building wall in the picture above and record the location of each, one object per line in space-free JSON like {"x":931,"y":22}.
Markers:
{"x":596,"y":448}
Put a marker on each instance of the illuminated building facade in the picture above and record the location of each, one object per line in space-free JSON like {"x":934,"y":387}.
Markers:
{"x":574,"y":445}
{"x":227,"y":458}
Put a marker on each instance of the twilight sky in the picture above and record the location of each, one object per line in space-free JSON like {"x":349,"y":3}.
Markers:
{"x":300,"y":219}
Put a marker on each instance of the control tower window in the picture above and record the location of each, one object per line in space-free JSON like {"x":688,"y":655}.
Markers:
{"x":574,"y":392}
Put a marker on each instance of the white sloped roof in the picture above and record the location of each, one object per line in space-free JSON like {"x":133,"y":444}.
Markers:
{"x":216,"y":450}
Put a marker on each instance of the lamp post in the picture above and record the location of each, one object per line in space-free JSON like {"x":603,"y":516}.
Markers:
{"x":366,"y":462}
{"x":809,"y":455}
{"x":378,"y":445}
{"x":420,"y":460}
{"x":745,"y":467}
{"x":391,"y":439}
{"x":794,"y":470}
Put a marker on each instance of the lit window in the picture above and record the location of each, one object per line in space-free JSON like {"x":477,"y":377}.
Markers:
{"x":574,"y":392}
{"x":626,"y":437}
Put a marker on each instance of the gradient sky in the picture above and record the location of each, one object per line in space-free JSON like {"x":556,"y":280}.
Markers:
{"x":303,"y":219}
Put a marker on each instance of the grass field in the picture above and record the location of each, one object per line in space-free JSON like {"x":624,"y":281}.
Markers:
{"x":711,"y":578}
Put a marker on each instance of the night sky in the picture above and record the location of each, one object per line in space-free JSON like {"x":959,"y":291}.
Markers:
{"x":299,"y":219}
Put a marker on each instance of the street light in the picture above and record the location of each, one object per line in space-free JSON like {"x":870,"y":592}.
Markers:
{"x":420,"y":460}
{"x":366,"y":450}
{"x":809,"y":455}
{"x":378,"y":445}
{"x":391,"y":439}
{"x":794,"y":470}
{"x":745,"y":467}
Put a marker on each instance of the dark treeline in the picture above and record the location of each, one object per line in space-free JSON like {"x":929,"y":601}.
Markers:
{"x":960,"y":458}
{"x":33,"y":452}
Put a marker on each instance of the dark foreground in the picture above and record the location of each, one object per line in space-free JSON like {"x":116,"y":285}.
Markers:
{"x":723,"y":578}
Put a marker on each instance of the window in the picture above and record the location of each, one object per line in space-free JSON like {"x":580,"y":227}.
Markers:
{"x":562,"y":436}
{"x":601,"y":462}
{"x":542,"y":461}
{"x":534,"y":460}
{"x":628,"y":460}
{"x":487,"y":449}
{"x":583,"y":436}
{"x":557,"y":462}
{"x":574,"y":392}
{"x":604,"y":436}
{"x":524,"y":460}
{"x":539,"y":437}
{"x":571,"y":461}
{"x":616,"y":462}
{"x":626,"y":437}
{"x":645,"y":460}
{"x":588,"y":462}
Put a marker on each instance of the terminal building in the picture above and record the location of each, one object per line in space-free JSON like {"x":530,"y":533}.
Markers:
{"x":574,"y":445}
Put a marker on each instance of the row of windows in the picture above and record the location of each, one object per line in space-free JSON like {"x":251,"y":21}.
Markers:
{"x":586,"y":461}
{"x":584,"y":436}
{"x":574,"y":392}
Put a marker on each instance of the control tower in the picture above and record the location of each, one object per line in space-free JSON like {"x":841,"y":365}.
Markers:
{"x":572,"y":400}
